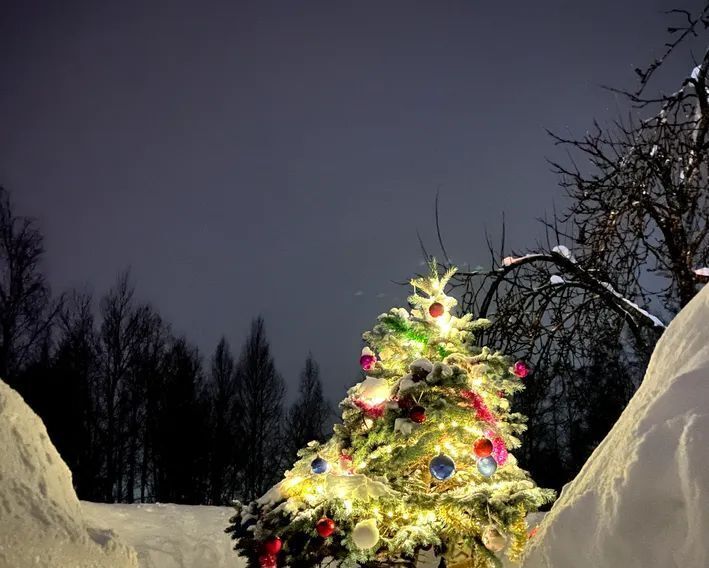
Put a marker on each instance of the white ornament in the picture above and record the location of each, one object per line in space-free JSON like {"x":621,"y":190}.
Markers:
{"x":367,"y":351}
{"x":374,"y":391}
{"x":493,"y":539}
{"x":365,"y":535}
{"x":404,"y":425}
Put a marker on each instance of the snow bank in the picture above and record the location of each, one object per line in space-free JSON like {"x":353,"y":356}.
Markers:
{"x":642,"y":500}
{"x":170,"y":536}
{"x":41,"y":522}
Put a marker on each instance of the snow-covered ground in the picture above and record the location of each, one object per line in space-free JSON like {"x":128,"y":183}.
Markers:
{"x":170,"y":536}
{"x":642,"y":499}
{"x":41,"y":521}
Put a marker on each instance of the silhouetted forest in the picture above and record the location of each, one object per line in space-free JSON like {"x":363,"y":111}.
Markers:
{"x":134,"y":409}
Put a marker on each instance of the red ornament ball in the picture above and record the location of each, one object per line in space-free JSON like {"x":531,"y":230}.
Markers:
{"x":520,"y":369}
{"x":272,"y":545}
{"x":482,"y":447}
{"x":325,"y":527}
{"x":268,"y":561}
{"x":417,"y":414}
{"x":367,"y":362}
{"x":436,"y":310}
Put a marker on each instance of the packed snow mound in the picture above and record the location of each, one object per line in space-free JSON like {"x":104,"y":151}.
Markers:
{"x":170,"y":536}
{"x":642,"y":499}
{"x":41,"y":522}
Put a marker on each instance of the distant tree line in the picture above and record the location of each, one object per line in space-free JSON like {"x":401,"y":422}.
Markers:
{"x":132,"y":407}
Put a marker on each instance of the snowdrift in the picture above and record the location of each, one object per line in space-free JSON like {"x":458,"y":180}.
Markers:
{"x":642,"y":500}
{"x":170,"y":536}
{"x":41,"y":522}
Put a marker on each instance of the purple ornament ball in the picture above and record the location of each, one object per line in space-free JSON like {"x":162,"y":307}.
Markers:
{"x":367,"y":362}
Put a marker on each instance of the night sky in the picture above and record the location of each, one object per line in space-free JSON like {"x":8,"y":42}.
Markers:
{"x":279,"y":157}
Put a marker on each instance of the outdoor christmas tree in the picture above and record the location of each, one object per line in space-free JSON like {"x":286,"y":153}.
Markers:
{"x":419,"y":462}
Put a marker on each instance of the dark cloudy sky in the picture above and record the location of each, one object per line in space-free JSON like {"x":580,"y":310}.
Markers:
{"x":278,"y":157}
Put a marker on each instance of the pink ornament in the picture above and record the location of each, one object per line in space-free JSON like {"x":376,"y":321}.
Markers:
{"x":367,"y":362}
{"x":499,"y":450}
{"x":520,"y":369}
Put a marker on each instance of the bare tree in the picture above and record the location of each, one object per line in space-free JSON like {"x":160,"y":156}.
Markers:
{"x":119,"y":341}
{"x":631,"y":249}
{"x":224,"y":454}
{"x":71,"y":410}
{"x":179,"y":452}
{"x":146,"y":366}
{"x":26,"y":308}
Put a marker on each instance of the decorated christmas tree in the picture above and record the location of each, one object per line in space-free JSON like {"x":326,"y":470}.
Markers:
{"x":420,"y":461}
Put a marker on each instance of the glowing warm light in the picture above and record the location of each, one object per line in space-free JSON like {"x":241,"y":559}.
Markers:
{"x":374,"y":391}
{"x":444,"y":324}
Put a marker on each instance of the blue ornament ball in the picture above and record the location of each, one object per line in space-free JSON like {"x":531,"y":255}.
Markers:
{"x":319,"y":465}
{"x":442,"y":467}
{"x":487,"y":466}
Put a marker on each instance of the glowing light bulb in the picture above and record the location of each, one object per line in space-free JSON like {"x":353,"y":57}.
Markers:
{"x":444,"y":325}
